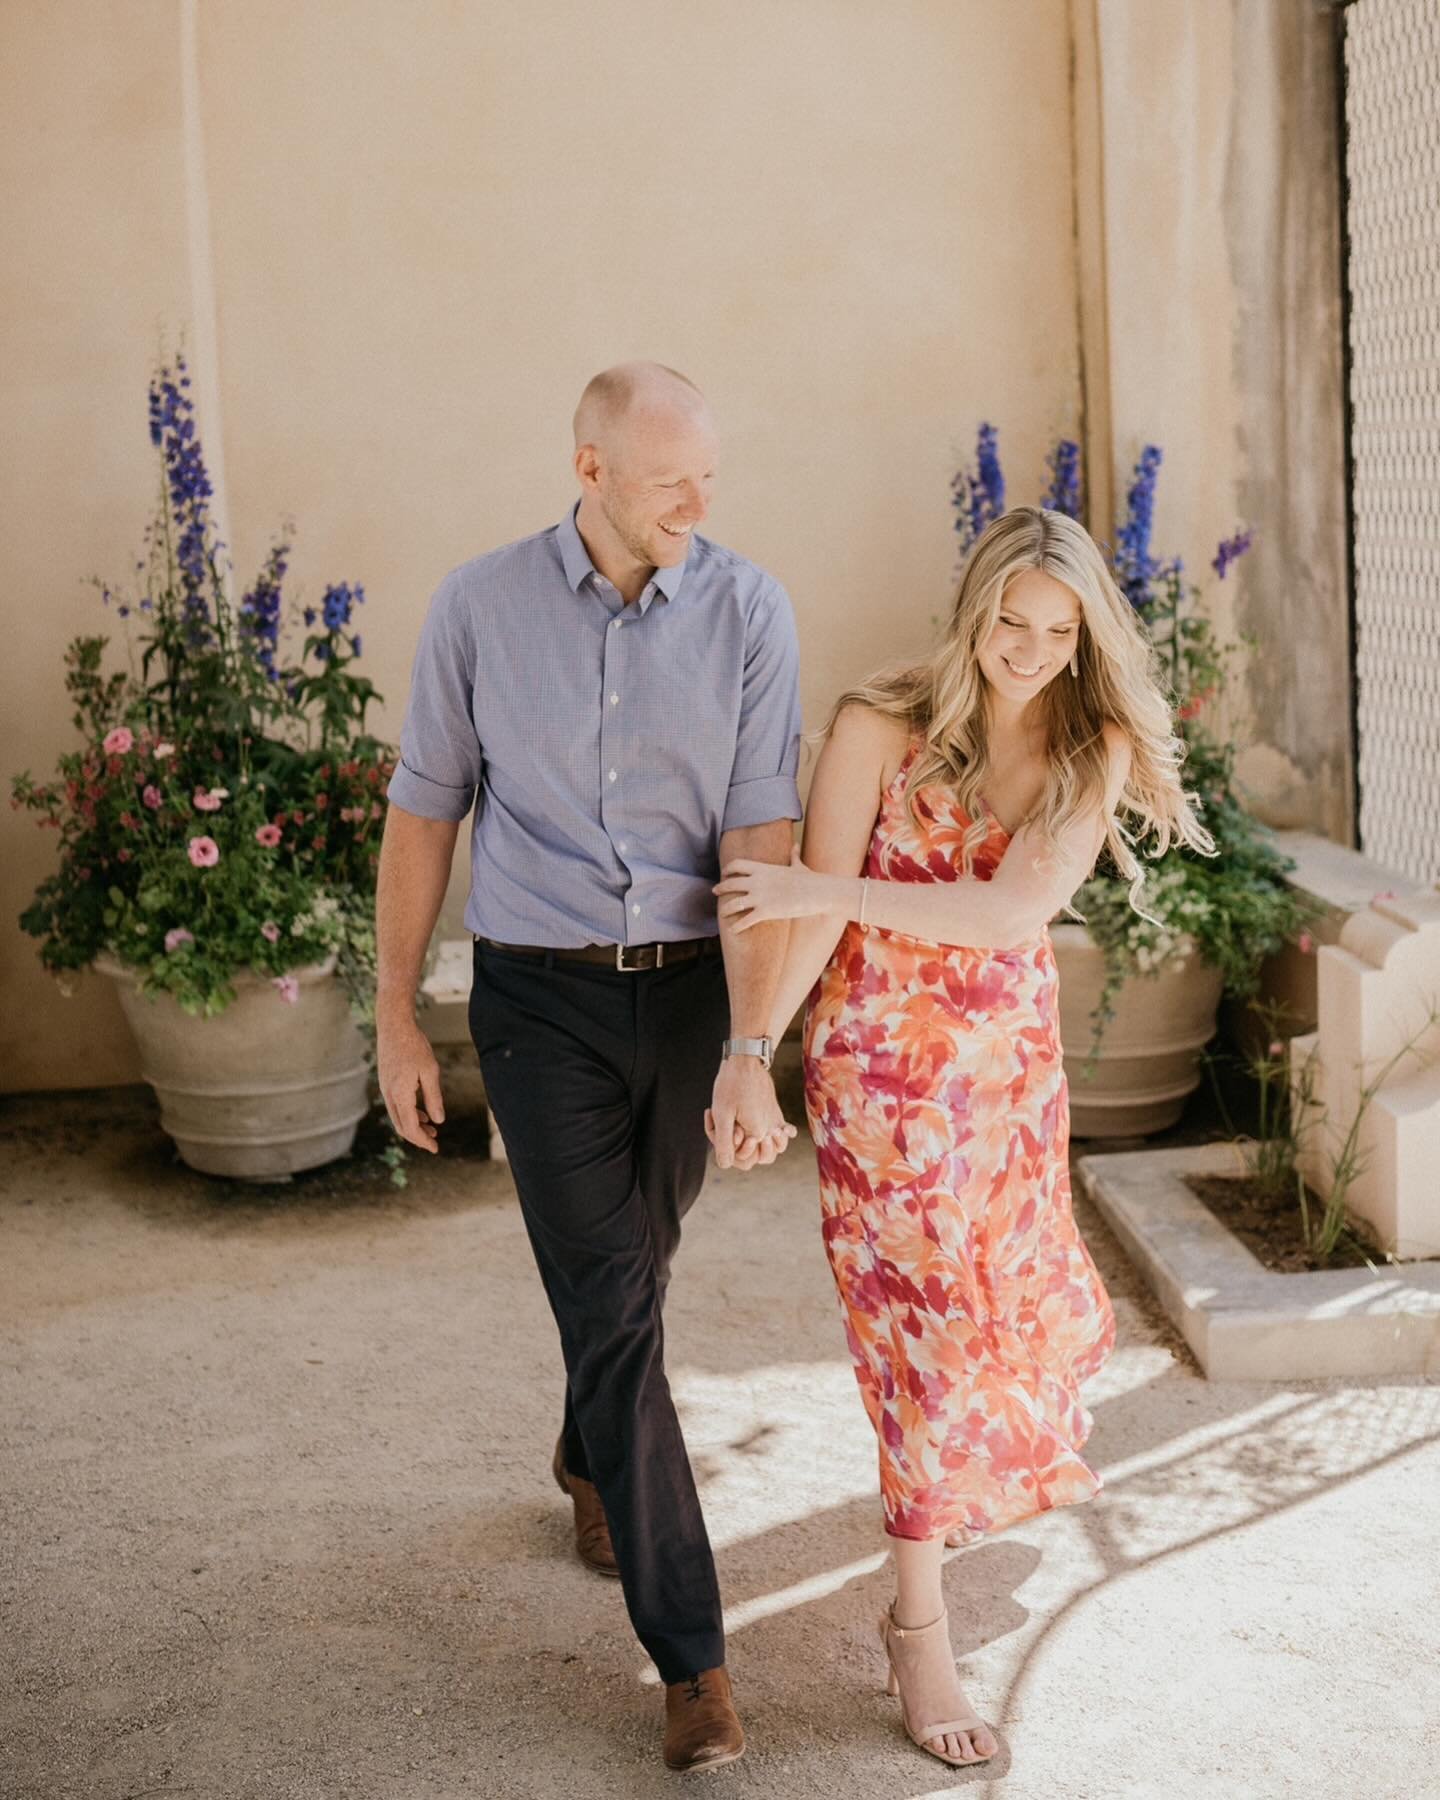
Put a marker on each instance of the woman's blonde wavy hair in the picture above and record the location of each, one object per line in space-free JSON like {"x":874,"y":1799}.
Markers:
{"x":942,"y":700}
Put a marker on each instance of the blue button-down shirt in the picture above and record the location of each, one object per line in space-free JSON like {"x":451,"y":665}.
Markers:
{"x":609,"y":745}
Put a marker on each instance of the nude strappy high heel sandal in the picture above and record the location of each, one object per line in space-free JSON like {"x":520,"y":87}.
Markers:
{"x":894,"y":1638}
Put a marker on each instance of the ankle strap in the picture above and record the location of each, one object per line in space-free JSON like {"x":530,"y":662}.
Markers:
{"x":910,"y":1631}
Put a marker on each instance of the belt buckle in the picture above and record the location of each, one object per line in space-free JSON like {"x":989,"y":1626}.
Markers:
{"x":655,"y":952}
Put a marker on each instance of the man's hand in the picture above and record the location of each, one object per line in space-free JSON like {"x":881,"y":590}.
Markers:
{"x":744,"y":1122}
{"x":407,"y":1065}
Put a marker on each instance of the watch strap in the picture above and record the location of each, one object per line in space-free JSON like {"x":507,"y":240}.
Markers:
{"x":742,"y":1046}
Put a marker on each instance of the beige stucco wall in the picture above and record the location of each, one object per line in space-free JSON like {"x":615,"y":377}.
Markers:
{"x":427,"y":226}
{"x":1207,"y":169}
{"x":93,"y":196}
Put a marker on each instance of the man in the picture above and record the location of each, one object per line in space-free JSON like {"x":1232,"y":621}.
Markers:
{"x":621,"y":696}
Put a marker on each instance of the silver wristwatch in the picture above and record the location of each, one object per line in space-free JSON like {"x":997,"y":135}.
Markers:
{"x":761,"y":1047}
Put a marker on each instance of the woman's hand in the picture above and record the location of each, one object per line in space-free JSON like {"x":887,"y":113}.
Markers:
{"x":752,"y":893}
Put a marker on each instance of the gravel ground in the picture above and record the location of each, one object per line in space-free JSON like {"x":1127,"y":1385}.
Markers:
{"x":278,"y":1522}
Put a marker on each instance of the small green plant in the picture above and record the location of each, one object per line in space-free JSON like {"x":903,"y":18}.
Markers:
{"x":1283,"y":1100}
{"x":1288,"y":1118}
{"x":1348,"y":1160}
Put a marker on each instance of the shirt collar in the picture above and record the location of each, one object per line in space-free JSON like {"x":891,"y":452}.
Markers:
{"x":577,"y":563}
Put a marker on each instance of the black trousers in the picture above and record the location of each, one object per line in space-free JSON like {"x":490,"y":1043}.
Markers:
{"x":599,"y":1082}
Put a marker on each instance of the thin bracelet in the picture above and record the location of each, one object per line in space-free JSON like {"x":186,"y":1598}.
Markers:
{"x":864,"y":896}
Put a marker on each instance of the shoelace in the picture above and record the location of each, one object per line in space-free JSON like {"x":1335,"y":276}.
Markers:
{"x":693,"y":1690}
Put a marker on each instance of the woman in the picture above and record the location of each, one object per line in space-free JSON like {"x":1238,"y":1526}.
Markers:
{"x":956,"y":808}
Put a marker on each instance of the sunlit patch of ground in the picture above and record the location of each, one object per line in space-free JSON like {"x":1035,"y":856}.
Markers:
{"x":278,"y":1520}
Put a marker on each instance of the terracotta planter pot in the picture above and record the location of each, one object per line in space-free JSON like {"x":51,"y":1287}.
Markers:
{"x":1149,"y":1058}
{"x":261,"y":1090}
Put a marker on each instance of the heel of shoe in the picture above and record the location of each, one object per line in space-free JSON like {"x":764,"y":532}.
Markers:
{"x":892,"y":1679}
{"x":557,"y":1467}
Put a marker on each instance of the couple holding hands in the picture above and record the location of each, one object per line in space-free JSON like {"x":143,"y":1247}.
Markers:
{"x":616,"y":699}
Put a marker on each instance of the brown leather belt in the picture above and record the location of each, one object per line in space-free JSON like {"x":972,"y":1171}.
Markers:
{"x":629,"y":959}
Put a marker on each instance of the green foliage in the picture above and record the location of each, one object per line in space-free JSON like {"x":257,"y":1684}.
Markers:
{"x":1291,"y":1121}
{"x":223,"y":808}
{"x":1234,"y":908}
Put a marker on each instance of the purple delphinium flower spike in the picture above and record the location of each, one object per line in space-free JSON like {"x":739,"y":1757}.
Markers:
{"x":979,"y":499}
{"x":1135,"y":568}
{"x":172,"y":428}
{"x":1231,"y":550}
{"x":336,"y":604}
{"x":260,"y":609}
{"x":1063,"y":494}
{"x":992,"y":480}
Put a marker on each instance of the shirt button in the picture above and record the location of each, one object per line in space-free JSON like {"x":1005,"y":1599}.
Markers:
{"x":635,"y":909}
{"x":614,"y":776}
{"x":618,"y":624}
{"x":614,"y":699}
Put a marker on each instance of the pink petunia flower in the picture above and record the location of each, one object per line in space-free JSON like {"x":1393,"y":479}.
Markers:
{"x":119,"y":741}
{"x":204,"y":852}
{"x":163,"y":750}
{"x":288,"y":988}
{"x":210,"y":799}
{"x":1305,"y":942}
{"x":270,"y":931}
{"x":176,"y":937}
{"x":268,"y":835}
{"x":152,"y":796}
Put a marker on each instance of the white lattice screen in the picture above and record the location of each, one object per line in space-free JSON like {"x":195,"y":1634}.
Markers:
{"x":1392,"y":115}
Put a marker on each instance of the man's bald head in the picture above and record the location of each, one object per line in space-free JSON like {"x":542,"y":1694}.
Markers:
{"x":645,"y":454}
{"x":635,"y":395}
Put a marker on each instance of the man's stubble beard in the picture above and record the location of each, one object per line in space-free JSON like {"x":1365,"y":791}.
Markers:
{"x":634,"y":545}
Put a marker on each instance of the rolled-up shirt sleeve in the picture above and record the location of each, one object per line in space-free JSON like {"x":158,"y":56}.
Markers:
{"x":440,"y":752}
{"x":767,"y":744}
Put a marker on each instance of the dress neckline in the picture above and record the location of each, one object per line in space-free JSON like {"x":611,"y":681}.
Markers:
{"x":897,"y":783}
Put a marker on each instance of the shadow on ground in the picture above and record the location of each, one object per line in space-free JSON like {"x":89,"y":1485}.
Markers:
{"x":278,"y":1521}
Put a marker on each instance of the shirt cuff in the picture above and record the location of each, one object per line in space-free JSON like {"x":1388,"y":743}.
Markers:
{"x":414,"y":793}
{"x":760,"y":802}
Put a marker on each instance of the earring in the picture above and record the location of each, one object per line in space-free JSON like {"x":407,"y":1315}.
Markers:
{"x":1075,"y":665}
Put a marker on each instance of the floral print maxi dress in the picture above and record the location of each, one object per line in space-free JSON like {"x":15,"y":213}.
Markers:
{"x":938,"y":1104}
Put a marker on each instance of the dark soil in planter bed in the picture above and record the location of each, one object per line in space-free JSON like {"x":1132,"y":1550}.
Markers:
{"x":1270,"y":1229}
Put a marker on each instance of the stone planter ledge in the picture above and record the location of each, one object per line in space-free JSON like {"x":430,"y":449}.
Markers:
{"x":1243,"y":1322}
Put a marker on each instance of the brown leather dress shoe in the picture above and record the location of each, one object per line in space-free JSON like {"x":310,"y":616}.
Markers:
{"x":701,"y":1727}
{"x":592,"y":1534}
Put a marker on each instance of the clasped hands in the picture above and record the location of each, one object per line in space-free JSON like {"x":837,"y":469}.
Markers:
{"x":744,"y":1123}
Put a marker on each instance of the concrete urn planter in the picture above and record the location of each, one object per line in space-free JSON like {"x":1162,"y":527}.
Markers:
{"x":1149,"y":1058}
{"x":264,"y":1088}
